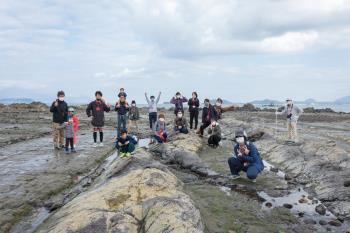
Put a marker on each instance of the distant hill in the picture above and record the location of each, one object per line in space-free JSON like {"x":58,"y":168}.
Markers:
{"x":266,"y":102}
{"x":16,"y":100}
{"x":213,"y":101}
{"x":343,"y":100}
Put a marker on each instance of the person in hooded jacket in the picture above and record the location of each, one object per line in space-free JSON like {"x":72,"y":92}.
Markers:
{"x":245,"y":157}
{"x":59,"y":109}
{"x":96,"y":109}
{"x":208,"y":115}
{"x":214,"y":132}
{"x":160,"y":130}
{"x":152,"y":109}
{"x":193,"y":105}
{"x":178,"y":101}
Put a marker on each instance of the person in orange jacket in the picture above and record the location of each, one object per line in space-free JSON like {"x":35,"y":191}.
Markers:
{"x":75,"y":124}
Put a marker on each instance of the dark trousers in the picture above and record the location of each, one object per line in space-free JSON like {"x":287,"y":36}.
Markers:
{"x":194,"y":116}
{"x":69,"y":142}
{"x":127,"y":148}
{"x":214,"y":140}
{"x":182,"y":130}
{"x":236,"y":166}
{"x":152,"y":119}
{"x":203,"y":127}
{"x":121,"y":123}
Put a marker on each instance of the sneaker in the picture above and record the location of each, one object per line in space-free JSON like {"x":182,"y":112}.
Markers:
{"x":128,"y":155}
{"x":94,"y":145}
{"x":234,"y":177}
{"x":253,"y":181}
{"x":67,"y":151}
{"x":122,"y":155}
{"x":101,"y":144}
{"x":73,"y":150}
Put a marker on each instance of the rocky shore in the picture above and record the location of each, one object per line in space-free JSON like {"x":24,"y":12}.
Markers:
{"x":181,"y":186}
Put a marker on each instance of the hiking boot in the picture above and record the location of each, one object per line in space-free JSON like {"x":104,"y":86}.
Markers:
{"x":234,"y":177}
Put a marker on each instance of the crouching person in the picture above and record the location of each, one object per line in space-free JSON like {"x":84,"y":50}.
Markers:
{"x":125,"y":144}
{"x":180,"y":124}
{"x":160,"y":131}
{"x":245,"y":157}
{"x":215,"y":134}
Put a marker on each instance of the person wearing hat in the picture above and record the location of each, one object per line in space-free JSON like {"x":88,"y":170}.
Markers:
{"x":292,"y":114}
{"x":245,"y":157}
{"x":59,"y":110}
{"x":178,"y":101}
{"x":152,"y":109}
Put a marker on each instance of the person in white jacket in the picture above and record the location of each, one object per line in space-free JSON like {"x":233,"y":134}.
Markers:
{"x":292,"y":113}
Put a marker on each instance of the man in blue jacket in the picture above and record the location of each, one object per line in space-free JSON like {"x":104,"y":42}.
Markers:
{"x":245,"y":157}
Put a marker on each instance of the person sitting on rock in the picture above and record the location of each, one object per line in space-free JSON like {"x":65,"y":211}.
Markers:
{"x":218,"y":108}
{"x":215,"y":134}
{"x":245,"y":157}
{"x":125,"y":144}
{"x":178,"y":101}
{"x":180,"y":124}
{"x":160,"y":132}
{"x":208,"y":115}
{"x":292,"y":113}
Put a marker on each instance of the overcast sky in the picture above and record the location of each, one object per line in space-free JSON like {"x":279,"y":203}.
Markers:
{"x":238,"y":50}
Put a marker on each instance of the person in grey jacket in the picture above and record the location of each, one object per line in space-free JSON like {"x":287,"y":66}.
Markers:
{"x":152,"y":109}
{"x":68,"y":128}
{"x":292,"y":114}
{"x":215,"y":134}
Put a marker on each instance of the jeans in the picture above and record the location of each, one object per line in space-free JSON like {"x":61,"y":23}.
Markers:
{"x":183,"y":130}
{"x":69,"y":142}
{"x":152,"y":119}
{"x":194,"y":116}
{"x":121,"y":123}
{"x":236,"y":166}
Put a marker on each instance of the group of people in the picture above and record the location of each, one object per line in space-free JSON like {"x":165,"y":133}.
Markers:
{"x":245,"y":156}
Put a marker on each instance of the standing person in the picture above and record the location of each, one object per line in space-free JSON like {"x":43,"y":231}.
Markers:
{"x":180,"y":124}
{"x":59,"y":109}
{"x":208,"y":115}
{"x":122,"y":93}
{"x":96,"y":109}
{"x":218,"y":108}
{"x":134,"y":116}
{"x":152,"y":109}
{"x":160,"y":131}
{"x":245,"y":157}
{"x":193,"y":105}
{"x":125,"y":144}
{"x":215,"y":134}
{"x":292,"y":113}
{"x":75,"y":121}
{"x":69,"y":132}
{"x":122,"y":107}
{"x":178,"y":101}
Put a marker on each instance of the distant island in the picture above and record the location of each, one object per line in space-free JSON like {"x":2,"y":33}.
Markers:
{"x":213,"y":101}
{"x":271,"y":102}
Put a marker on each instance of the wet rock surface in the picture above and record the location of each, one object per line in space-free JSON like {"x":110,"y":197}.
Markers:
{"x":182,"y":184}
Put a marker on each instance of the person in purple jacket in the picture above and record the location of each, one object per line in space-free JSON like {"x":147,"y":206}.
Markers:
{"x":178,"y":101}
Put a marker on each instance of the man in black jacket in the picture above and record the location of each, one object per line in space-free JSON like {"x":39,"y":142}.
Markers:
{"x":59,"y":109}
{"x":208,"y":115}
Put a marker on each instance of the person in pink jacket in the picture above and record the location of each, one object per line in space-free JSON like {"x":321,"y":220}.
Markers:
{"x":75,"y":124}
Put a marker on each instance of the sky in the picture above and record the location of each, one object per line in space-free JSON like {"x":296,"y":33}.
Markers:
{"x":236,"y":50}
